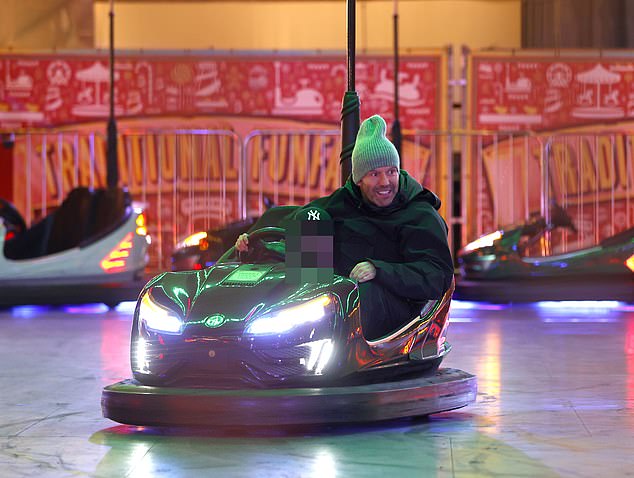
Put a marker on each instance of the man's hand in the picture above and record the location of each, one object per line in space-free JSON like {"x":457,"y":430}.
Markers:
{"x":242,"y":243}
{"x":363,"y":272}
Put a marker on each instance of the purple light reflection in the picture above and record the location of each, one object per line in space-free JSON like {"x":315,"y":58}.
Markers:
{"x":86,"y":309}
{"x":470,"y":305}
{"x":29,"y":311}
{"x":577,"y":305}
{"x":461,"y":320}
{"x":581,"y":310}
{"x":99,"y":308}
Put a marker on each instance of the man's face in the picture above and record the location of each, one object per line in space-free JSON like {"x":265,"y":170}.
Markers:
{"x":380,"y":185}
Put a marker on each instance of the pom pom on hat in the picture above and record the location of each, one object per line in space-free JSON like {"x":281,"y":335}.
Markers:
{"x":372,"y":149}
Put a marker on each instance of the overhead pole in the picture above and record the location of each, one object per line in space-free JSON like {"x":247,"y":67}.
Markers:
{"x":397,"y":136}
{"x":350,"y":104}
{"x":112,"y":166}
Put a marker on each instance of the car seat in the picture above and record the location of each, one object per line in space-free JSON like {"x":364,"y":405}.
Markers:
{"x":70,"y":221}
{"x":111,"y":208}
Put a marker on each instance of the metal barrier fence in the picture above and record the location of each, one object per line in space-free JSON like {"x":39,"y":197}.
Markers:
{"x":499,"y":180}
{"x":290,"y":167}
{"x":192,"y":180}
{"x":591,"y":177}
{"x":507,"y":178}
{"x":188,"y":180}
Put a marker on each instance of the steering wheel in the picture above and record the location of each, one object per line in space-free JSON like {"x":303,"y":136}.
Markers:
{"x":12,"y":219}
{"x":257,"y":245}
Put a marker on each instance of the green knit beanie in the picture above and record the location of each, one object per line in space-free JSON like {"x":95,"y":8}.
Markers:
{"x":372,"y":149}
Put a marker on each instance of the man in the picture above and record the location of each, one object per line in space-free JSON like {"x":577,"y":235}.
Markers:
{"x":388,"y":235}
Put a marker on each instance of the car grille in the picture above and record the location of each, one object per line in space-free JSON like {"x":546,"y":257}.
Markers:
{"x":212,"y":364}
{"x":285,"y":361}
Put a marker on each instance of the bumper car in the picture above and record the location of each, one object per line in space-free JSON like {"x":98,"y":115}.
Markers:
{"x":92,"y":248}
{"x":511,"y":264}
{"x":203,"y":248}
{"x":236,"y":344}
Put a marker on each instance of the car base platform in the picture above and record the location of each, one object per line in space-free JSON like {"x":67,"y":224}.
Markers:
{"x":536,"y":289}
{"x":55,"y":294}
{"x":132,"y":403}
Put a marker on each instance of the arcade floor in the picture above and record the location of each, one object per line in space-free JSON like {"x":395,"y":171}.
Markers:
{"x":555,"y":398}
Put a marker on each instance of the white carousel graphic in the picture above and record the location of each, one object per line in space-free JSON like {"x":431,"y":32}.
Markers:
{"x":408,"y":91}
{"x":92,"y":101}
{"x":592,"y":102}
{"x":306,"y":101}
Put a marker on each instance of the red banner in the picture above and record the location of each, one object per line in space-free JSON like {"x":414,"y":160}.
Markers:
{"x":52,"y":90}
{"x":525,"y":92}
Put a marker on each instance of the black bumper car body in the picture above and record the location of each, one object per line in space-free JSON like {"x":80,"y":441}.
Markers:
{"x":240,"y":332}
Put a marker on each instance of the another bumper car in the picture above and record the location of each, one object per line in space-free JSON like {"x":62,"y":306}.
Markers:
{"x":93,"y":248}
{"x":510,"y":264}
{"x":238,"y":344}
{"x":203,"y":248}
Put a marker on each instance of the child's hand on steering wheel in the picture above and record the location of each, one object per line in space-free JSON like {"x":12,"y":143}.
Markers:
{"x":242,"y":243}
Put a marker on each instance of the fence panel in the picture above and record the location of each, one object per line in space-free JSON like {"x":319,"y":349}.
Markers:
{"x":507,"y":178}
{"x":294,"y":167}
{"x":590,"y":176}
{"x":192,"y":180}
{"x":499,"y":180}
{"x":289,"y":166}
{"x":188,"y":180}
{"x":427,"y":157}
{"x":46,"y":165}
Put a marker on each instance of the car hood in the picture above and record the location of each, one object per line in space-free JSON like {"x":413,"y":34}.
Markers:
{"x":221,"y":299}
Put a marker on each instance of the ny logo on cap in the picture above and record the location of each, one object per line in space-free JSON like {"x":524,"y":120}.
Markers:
{"x":313,"y":216}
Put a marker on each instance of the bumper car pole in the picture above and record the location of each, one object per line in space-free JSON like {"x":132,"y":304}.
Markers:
{"x":111,"y":152}
{"x":350,"y":104}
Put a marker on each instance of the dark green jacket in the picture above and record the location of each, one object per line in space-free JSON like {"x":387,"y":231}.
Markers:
{"x":406,"y":241}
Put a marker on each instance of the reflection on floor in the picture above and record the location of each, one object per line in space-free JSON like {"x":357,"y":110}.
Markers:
{"x":556,"y":398}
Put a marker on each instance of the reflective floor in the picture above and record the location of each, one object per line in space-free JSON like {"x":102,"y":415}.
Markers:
{"x":556,"y":398}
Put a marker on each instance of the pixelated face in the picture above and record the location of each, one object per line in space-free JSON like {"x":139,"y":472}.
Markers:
{"x":309,"y":252}
{"x":379,"y":186}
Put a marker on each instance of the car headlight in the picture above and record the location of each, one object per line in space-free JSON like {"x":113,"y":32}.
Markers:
{"x":140,"y":359}
{"x":192,"y":240}
{"x":320,"y":353}
{"x":283,"y":320}
{"x":158,"y":317}
{"x":484,"y":241}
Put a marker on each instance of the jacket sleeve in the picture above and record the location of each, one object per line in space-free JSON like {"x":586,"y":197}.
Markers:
{"x":427,"y":268}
